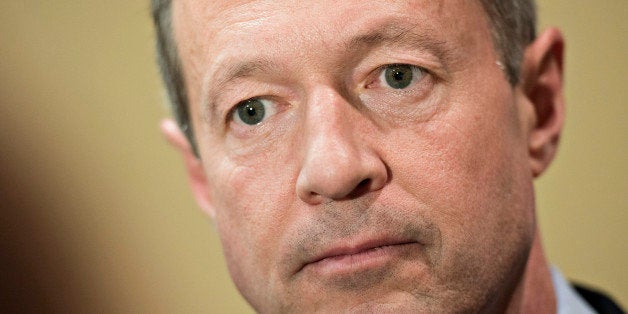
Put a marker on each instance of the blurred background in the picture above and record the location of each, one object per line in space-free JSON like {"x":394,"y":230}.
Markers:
{"x":96,"y":215}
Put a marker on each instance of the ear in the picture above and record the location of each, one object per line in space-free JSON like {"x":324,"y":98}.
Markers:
{"x":194,"y":166}
{"x":542,"y":85}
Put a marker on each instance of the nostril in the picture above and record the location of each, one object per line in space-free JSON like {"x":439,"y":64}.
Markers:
{"x":362,"y":188}
{"x":363,"y":183}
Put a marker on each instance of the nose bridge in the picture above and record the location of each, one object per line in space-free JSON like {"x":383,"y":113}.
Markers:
{"x":338,"y":163}
{"x":329,"y":125}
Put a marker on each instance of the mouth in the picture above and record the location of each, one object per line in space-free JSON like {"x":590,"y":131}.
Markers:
{"x":349,"y":259}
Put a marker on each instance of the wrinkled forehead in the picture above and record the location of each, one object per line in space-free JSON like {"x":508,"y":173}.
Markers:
{"x":221,"y":23}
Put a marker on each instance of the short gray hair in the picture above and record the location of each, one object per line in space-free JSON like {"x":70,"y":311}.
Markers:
{"x":170,"y":66}
{"x":513,"y":27}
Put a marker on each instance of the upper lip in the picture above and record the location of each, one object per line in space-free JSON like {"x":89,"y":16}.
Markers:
{"x":348,"y":247}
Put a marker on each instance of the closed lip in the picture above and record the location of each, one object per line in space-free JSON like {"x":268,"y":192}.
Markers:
{"x":363,"y":249}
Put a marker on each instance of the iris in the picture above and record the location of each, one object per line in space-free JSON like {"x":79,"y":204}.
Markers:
{"x":398,"y":76}
{"x":251,"y":111}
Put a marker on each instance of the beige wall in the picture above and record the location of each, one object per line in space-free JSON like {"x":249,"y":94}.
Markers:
{"x":583,"y":199}
{"x":96,"y":214}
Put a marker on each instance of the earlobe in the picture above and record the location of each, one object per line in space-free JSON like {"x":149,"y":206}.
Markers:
{"x":542,"y":84}
{"x":196,"y":174}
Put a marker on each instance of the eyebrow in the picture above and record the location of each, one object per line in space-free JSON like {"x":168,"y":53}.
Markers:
{"x":392,"y":33}
{"x":400,"y":34}
{"x":228,"y":72}
{"x":243,"y":69}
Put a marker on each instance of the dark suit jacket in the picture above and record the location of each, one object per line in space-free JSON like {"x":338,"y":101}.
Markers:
{"x":600,"y":302}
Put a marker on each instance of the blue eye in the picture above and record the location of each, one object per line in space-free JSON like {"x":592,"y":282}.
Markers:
{"x":253,"y":111}
{"x":400,"y":76}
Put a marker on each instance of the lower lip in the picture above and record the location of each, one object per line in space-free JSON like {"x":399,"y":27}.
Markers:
{"x":361,"y":261}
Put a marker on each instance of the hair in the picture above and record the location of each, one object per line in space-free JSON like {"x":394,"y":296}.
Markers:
{"x":512,"y":23}
{"x":170,"y":66}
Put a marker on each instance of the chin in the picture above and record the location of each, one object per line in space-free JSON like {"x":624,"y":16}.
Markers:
{"x":399,"y":302}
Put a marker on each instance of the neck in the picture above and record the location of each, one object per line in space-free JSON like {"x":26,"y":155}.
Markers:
{"x":535,"y":292}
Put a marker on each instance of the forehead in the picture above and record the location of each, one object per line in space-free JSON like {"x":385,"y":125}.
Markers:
{"x":320,"y":10}
{"x":206,"y":27}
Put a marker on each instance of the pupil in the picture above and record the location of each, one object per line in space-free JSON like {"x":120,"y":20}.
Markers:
{"x":398,"y":75}
{"x":250,"y":111}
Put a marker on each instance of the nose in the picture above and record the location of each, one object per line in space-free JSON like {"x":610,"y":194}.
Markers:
{"x":339,"y":162}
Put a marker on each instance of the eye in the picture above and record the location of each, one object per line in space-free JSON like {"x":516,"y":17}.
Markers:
{"x":253,"y":111}
{"x":400,"y":76}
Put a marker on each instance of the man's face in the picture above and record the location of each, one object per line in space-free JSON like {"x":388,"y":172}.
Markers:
{"x":359,"y":154}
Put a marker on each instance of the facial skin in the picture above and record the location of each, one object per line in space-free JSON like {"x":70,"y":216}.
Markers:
{"x":353,"y":195}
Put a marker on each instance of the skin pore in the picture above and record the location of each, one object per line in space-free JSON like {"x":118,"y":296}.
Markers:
{"x":369,"y":155}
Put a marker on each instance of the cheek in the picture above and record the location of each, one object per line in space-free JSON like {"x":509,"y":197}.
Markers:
{"x":450,"y":169}
{"x":468,"y":164}
{"x":253,"y":202}
{"x":468,"y":171}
